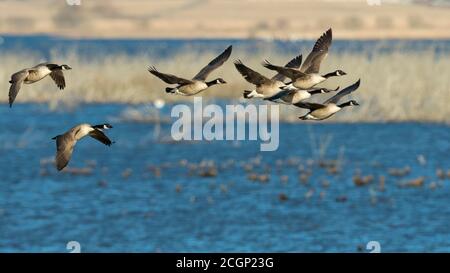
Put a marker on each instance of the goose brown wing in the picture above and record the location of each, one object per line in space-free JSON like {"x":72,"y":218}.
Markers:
{"x":294,"y":63}
{"x":214,"y":64}
{"x":309,"y":105}
{"x":289,"y":72}
{"x":349,"y":89}
{"x":168,"y":78}
{"x":58,"y":78}
{"x":318,"y":53}
{"x":100,"y":136}
{"x":250,"y":75}
{"x":64,"y":149}
{"x":16,"y":83}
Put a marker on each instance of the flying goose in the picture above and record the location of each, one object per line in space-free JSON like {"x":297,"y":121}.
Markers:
{"x":308,"y":75}
{"x":265,"y":88}
{"x":296,"y":96}
{"x":330,"y":107}
{"x":187,"y":87}
{"x":34,"y":74}
{"x":66,"y":142}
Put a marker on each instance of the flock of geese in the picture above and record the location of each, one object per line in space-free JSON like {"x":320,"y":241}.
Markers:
{"x":300,"y":87}
{"x":303,"y":79}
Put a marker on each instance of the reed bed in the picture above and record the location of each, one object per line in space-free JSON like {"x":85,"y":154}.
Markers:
{"x":396,"y":86}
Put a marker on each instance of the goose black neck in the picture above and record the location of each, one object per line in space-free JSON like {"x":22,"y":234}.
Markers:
{"x":345,"y":104}
{"x":102,"y":126}
{"x":53,"y":67}
{"x":328,"y":75}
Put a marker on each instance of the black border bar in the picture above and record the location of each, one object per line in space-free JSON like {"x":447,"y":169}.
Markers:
{"x":222,"y":262}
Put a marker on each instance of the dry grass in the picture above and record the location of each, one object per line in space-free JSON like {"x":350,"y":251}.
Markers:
{"x":281,"y":19}
{"x":396,"y":86}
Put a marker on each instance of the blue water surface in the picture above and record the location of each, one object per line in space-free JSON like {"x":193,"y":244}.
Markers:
{"x":44,"y":46}
{"x":146,"y":195}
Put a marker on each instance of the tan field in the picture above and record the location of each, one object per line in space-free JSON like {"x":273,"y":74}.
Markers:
{"x":282,"y":19}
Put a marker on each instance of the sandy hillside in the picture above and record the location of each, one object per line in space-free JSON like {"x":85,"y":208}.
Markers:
{"x":285,"y":19}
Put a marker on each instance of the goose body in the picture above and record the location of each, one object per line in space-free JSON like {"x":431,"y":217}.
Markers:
{"x":296,"y":97}
{"x":318,"y":111}
{"x":35,"y":74}
{"x":309,"y":81}
{"x":301,"y":80}
{"x":265,"y":88}
{"x":306,"y":81}
{"x":323,"y":112}
{"x":65,"y":143}
{"x":308,"y":75}
{"x":197,"y":84}
{"x":189,"y":89}
{"x":299,"y":95}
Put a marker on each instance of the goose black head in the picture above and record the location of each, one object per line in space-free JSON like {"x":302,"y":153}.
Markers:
{"x":220,"y":81}
{"x":340,"y":72}
{"x":349,"y":103}
{"x":105,"y":126}
{"x":216,"y":81}
{"x":335,"y":74}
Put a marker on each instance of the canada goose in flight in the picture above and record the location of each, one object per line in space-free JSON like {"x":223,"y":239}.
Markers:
{"x":330,"y":107}
{"x":66,"y":142}
{"x":308,"y":75}
{"x":265,"y":88}
{"x":296,"y":96}
{"x":34,"y":74}
{"x":197,"y":84}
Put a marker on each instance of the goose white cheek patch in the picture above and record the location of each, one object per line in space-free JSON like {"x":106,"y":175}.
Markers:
{"x":237,"y":122}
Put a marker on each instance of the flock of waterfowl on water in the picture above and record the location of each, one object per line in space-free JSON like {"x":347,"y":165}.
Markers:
{"x":328,"y":173}
{"x":303,"y":78}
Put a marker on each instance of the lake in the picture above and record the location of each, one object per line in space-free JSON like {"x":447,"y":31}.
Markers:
{"x":45,"y":46}
{"x":150,"y":194}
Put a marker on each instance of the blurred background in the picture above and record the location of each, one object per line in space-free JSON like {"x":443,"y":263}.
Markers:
{"x":377,"y":172}
{"x":243,"y":19}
